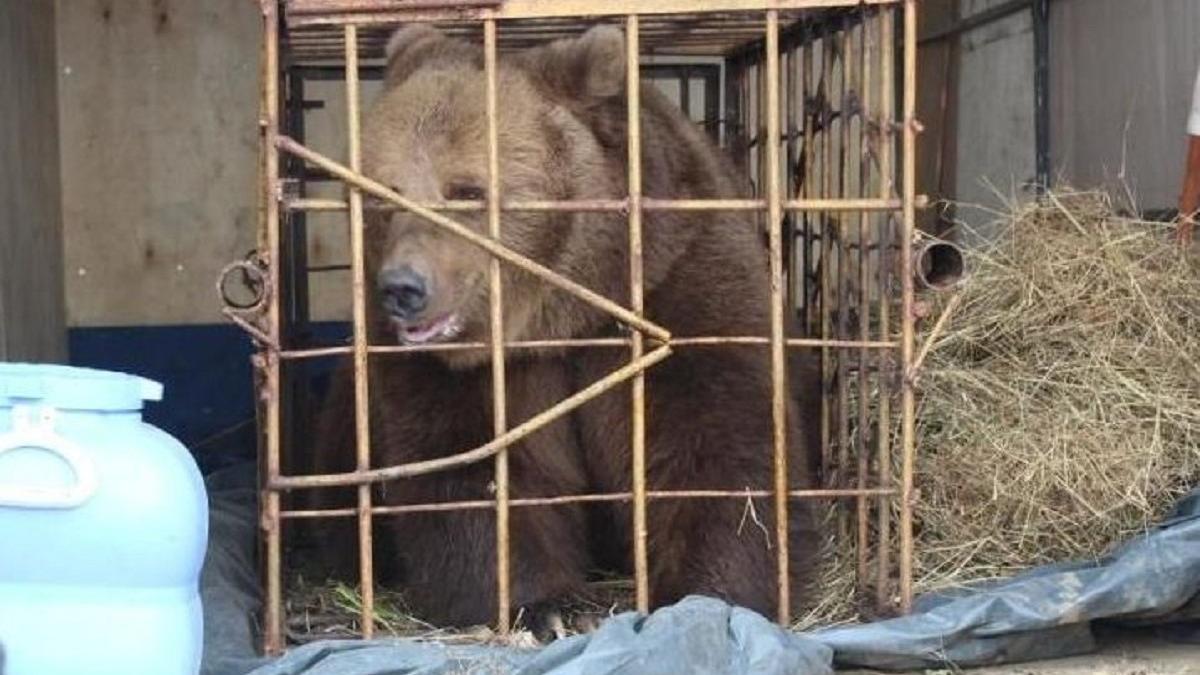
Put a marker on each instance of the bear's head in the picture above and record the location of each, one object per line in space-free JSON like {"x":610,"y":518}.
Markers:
{"x":426,"y":138}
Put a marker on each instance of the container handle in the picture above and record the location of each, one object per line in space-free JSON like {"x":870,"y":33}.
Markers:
{"x":34,"y":428}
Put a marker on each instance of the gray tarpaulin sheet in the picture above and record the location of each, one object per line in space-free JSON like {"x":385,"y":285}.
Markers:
{"x":1048,"y":612}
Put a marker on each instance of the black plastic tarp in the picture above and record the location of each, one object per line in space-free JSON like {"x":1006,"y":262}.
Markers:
{"x":1048,"y":612}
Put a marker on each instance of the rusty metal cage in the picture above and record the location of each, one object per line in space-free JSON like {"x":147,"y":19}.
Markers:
{"x":816,"y":101}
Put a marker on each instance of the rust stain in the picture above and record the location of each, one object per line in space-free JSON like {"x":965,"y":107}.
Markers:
{"x":162,"y":16}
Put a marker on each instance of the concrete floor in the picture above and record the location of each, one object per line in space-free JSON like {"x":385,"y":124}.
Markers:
{"x":1136,"y":654}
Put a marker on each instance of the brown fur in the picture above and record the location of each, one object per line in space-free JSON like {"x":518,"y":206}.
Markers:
{"x":562,"y":130}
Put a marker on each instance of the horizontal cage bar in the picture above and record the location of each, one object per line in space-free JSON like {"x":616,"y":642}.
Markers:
{"x":816,"y":494}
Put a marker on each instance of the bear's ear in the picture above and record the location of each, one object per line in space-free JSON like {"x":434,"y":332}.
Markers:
{"x":412,"y":46}
{"x":586,"y":69}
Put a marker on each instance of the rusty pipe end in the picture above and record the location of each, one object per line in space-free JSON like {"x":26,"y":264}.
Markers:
{"x":939,"y":265}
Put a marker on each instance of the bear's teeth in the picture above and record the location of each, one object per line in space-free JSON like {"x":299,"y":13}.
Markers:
{"x":448,"y":327}
{"x":453,"y":327}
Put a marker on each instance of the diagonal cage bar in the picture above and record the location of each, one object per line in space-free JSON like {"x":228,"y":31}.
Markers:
{"x":486,"y":450}
{"x":493,"y":247}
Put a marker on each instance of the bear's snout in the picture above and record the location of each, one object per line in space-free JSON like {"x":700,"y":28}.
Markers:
{"x":405,"y":291}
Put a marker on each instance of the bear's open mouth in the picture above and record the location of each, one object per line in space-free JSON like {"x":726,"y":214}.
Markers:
{"x":447,"y":327}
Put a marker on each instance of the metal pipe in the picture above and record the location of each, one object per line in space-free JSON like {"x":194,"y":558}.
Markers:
{"x":778,"y":363}
{"x":939,"y":265}
{"x":633,"y":105}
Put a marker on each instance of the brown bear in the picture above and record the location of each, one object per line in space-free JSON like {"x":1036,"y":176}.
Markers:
{"x":562,"y":135}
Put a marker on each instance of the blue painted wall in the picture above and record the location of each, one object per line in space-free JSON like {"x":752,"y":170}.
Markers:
{"x":208,"y":399}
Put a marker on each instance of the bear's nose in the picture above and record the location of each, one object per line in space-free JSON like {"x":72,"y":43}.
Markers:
{"x":405,"y":291}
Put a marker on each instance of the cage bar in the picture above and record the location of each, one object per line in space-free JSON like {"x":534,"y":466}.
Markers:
{"x":864,"y":302}
{"x":641,"y":565}
{"x":496,"y":307}
{"x":886,"y":187}
{"x":269,"y":127}
{"x":621,"y":205}
{"x":362,"y":413}
{"x":907,"y":399}
{"x":591,"y":498}
{"x":778,"y":374}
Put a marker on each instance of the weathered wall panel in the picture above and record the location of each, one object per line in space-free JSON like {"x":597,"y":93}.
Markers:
{"x":158,"y":107}
{"x":937,"y":86}
{"x":996,"y":148}
{"x":31,"y":293}
{"x":1121,"y":83}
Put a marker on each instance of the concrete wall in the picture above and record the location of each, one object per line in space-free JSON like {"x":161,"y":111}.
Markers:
{"x":31,"y":293}
{"x":937,"y":79}
{"x":1120,"y":90}
{"x":1121,"y":84}
{"x":995,"y":155}
{"x":158,"y":132}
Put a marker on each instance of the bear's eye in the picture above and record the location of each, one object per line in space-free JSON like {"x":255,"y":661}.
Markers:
{"x":465,"y":192}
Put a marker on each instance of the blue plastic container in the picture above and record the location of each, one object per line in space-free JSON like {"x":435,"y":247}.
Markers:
{"x":103,"y":528}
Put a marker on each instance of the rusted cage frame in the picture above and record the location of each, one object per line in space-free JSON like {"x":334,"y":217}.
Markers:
{"x":489,"y":12}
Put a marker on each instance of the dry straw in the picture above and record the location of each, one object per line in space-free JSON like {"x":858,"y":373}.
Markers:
{"x":1060,"y":409}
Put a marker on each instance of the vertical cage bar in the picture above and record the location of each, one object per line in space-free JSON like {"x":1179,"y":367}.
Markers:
{"x":789,"y":176}
{"x":731,"y":123}
{"x":864,"y":296}
{"x":1041,"y":91}
{"x":685,"y":91}
{"x":362,"y":413}
{"x":843,"y":278}
{"x":496,"y":300}
{"x":778,"y":375}
{"x":273,"y":619}
{"x":293,"y":260}
{"x":810,"y":299}
{"x":826,"y":263}
{"x":907,"y":401}
{"x":884,"y":20}
{"x":638,"y":419}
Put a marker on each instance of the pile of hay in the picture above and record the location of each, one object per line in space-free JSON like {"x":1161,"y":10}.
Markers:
{"x":1059,"y":411}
